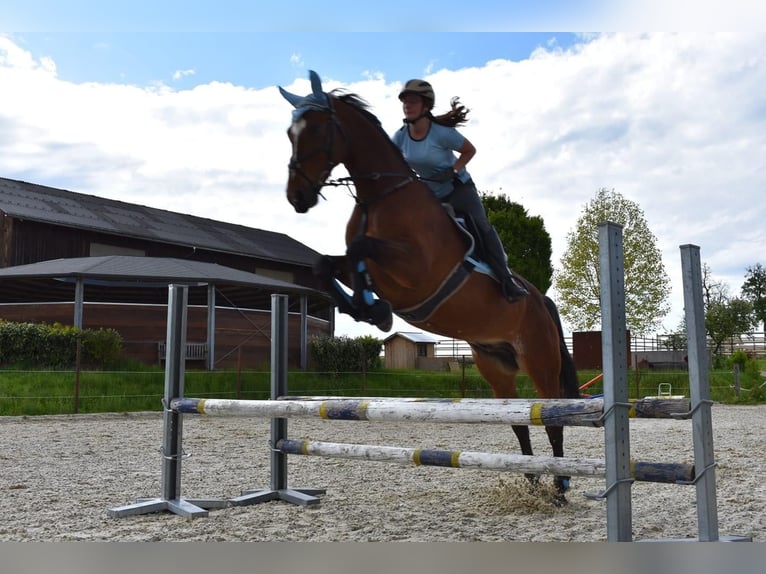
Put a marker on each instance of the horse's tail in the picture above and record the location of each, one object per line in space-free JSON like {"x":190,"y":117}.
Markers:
{"x":570,"y":385}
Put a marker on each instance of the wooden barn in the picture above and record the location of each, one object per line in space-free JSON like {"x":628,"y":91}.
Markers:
{"x":404,"y":350}
{"x":92,"y":262}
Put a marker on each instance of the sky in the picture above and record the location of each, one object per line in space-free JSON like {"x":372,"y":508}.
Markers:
{"x":174,"y":105}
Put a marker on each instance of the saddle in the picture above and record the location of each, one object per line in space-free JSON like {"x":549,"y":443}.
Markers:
{"x":378,"y":312}
{"x":475,"y":250}
{"x":472,"y":261}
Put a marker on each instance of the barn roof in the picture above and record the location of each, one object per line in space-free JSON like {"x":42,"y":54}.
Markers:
{"x":23,"y":200}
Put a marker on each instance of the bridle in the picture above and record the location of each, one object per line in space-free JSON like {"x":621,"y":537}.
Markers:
{"x":294,"y":164}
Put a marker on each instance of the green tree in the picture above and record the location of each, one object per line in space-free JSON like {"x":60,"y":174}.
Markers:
{"x":647,"y":285}
{"x":754,"y":290}
{"x":676,"y":340}
{"x":526,"y":242}
{"x":726,"y":318}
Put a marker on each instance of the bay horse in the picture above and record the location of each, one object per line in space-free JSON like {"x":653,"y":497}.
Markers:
{"x":404,"y":246}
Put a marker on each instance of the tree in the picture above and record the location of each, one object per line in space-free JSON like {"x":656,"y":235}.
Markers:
{"x":676,"y":340}
{"x":725,"y":316}
{"x":647,"y":285}
{"x":526,"y":242}
{"x":713,"y":291}
{"x":754,"y":290}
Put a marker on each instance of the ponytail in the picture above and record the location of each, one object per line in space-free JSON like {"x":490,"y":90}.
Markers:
{"x":457,"y":115}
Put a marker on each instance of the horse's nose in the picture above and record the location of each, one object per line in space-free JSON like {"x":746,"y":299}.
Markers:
{"x":298,"y":204}
{"x":300,"y":207}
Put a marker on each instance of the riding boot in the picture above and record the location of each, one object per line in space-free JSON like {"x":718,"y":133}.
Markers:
{"x":512,"y":287}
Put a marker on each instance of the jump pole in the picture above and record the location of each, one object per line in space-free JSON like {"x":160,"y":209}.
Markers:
{"x":619,"y":526}
{"x":699,"y":392}
{"x":528,"y":412}
{"x":504,"y":462}
{"x":278,"y":460}
{"x":172,"y":450}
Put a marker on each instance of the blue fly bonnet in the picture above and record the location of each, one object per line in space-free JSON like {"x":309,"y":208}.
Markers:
{"x":316,"y":100}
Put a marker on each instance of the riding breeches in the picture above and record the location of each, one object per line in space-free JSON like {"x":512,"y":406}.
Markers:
{"x":465,"y":200}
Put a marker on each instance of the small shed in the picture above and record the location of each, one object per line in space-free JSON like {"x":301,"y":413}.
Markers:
{"x":404,"y":350}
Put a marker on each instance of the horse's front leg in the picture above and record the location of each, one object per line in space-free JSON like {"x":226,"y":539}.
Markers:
{"x":334,"y":271}
{"x":331,"y":272}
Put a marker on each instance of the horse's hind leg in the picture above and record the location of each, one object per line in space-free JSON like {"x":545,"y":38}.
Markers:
{"x":499,"y":370}
{"x":556,"y":438}
{"x":544,"y":374}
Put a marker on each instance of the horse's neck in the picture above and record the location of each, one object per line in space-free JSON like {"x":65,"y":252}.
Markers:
{"x":369,"y":149}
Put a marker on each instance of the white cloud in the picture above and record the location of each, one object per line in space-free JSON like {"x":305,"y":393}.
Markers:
{"x":673,"y":122}
{"x":178,"y":74}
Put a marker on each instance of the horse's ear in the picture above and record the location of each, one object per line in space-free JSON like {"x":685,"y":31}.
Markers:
{"x":317,"y":98}
{"x":292,"y":98}
{"x":316,"y":85}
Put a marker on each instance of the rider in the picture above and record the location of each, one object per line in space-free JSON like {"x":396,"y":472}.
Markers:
{"x":428,"y":144}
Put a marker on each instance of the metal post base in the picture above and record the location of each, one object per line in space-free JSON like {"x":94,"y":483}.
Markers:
{"x":181,"y":506}
{"x":299,"y":496}
{"x":729,"y":538}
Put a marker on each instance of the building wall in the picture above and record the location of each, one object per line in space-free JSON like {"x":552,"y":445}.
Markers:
{"x":401,"y":353}
{"x":243,"y":338}
{"x":587,"y":351}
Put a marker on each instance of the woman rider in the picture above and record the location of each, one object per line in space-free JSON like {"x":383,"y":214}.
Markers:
{"x":429,"y":144}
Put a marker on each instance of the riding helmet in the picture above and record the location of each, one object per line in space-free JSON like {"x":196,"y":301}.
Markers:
{"x":419,"y":87}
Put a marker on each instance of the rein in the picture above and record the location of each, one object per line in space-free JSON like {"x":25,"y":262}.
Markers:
{"x":347,"y":182}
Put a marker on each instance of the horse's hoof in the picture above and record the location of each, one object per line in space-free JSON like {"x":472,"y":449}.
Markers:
{"x":534,"y":479}
{"x":381,"y":315}
{"x":560,"y":500}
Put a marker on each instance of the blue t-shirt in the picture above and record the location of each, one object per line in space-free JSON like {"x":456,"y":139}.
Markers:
{"x":432,"y":154}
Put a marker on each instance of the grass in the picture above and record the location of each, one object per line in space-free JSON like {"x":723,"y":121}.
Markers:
{"x":141,"y":388}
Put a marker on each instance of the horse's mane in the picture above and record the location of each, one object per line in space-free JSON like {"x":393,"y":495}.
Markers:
{"x":363,"y":107}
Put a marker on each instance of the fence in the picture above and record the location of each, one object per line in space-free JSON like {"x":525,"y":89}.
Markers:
{"x":752,"y":343}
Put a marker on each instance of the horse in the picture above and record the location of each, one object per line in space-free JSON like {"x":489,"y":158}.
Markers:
{"x":405,"y":247}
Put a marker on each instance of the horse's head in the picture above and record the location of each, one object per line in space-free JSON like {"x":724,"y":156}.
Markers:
{"x":315,"y":147}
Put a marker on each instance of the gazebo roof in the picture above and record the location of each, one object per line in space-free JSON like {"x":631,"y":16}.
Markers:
{"x":129,"y":279}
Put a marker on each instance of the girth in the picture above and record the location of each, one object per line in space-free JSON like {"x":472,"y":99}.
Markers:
{"x":423,"y":310}
{"x":454,"y":280}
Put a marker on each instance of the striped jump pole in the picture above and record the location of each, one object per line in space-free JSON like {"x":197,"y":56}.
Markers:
{"x":642,"y":471}
{"x":646,"y":408}
{"x":547,"y":412}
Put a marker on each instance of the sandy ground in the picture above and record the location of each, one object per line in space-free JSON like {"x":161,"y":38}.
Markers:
{"x":61,"y":474}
